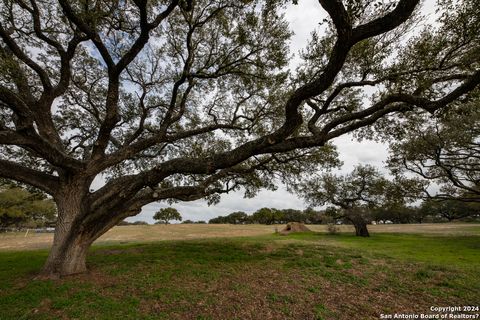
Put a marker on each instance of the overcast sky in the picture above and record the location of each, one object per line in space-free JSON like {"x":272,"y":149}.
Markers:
{"x":303,"y":19}
{"x":351,"y":153}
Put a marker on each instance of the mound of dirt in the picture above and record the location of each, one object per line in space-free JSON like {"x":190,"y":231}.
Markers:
{"x":294,"y":227}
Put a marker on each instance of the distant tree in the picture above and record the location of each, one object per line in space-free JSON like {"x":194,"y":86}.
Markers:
{"x":217,"y":220}
{"x":165,"y":215}
{"x":135,"y":223}
{"x":238,"y":217}
{"x":271,"y":216}
{"x":291,"y":215}
{"x":312,"y":216}
{"x":267,"y":216}
{"x":382,"y":215}
{"x":139,"y":223}
{"x":397,"y":214}
{"x":450,"y":209}
{"x":19,"y":207}
{"x":193,"y":222}
{"x":419,"y":215}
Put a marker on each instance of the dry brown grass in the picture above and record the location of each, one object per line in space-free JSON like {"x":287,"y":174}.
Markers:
{"x":150,"y":233}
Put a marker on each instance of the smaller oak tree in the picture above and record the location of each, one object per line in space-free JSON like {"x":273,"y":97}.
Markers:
{"x":354,"y":196}
{"x":164,"y":215}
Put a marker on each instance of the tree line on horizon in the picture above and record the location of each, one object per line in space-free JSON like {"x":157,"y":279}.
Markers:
{"x":429,"y":211}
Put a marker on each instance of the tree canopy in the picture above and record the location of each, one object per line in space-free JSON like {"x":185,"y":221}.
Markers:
{"x":444,"y":150}
{"x":183,"y":100}
{"x":450,"y":209}
{"x":22,"y":208}
{"x":165,"y":215}
{"x":237,"y":217}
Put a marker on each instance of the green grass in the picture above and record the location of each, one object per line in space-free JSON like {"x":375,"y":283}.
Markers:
{"x":301,"y":276}
{"x":459,"y":251}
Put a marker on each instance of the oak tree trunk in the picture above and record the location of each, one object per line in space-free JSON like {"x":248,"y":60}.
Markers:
{"x":70,"y":243}
{"x":357,"y":218}
{"x":77,"y":228}
{"x":361,"y":229}
{"x":68,"y":254}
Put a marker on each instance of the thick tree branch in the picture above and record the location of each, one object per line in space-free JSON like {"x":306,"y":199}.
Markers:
{"x":388,"y":22}
{"x":43,"y":181}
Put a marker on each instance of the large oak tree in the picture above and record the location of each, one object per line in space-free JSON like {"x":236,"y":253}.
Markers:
{"x":186,"y":99}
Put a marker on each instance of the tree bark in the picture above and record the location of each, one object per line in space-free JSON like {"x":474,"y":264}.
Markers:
{"x":68,"y":255}
{"x":71,"y":241}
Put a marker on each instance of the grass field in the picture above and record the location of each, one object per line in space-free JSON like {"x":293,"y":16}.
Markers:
{"x":152,"y":233}
{"x":248,"y":273}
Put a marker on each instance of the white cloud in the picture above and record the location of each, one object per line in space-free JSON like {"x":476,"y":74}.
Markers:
{"x":303,"y":19}
{"x":353,"y":152}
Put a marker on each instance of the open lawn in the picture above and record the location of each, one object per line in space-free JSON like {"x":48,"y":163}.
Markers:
{"x":249,"y":273}
{"x":152,"y":233}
